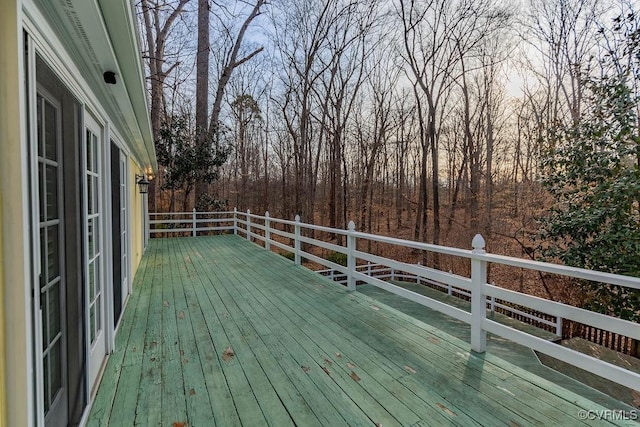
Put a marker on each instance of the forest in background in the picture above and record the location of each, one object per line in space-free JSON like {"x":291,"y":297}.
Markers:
{"x":429,"y":120}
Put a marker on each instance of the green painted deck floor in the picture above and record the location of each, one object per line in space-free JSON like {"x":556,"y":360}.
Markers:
{"x":221,"y":332}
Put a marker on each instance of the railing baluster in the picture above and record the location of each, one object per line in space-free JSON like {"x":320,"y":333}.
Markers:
{"x":194,"y":222}
{"x":248,"y":225}
{"x":296,"y":243}
{"x":267,"y":231}
{"x":351,"y":259}
{"x":235,"y":221}
{"x":478,"y":298}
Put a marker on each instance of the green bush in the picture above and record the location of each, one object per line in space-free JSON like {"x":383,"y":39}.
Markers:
{"x":338,"y":258}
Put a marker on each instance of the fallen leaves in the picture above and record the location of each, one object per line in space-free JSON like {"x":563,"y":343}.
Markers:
{"x":350,"y":365}
{"x":513,"y":424}
{"x":181,"y":315}
{"x":355,"y":376}
{"x":228,"y":354}
{"x":445,"y":409}
{"x":192,"y":392}
{"x":166,"y":303}
{"x":328,"y":362}
{"x":179,"y":424}
{"x":375,"y":307}
{"x":326,"y":370}
{"x":338,"y":355}
{"x":305,"y":368}
{"x":434,"y":340}
{"x":409,"y":369}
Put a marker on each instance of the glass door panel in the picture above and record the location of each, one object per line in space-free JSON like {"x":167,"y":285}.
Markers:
{"x":94,"y":252}
{"x":51,"y":244}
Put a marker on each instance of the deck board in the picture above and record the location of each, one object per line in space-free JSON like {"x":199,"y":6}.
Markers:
{"x":221,"y":332}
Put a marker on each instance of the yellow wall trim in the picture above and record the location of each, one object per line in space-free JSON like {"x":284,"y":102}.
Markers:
{"x":3,"y":410}
{"x":14,"y":271}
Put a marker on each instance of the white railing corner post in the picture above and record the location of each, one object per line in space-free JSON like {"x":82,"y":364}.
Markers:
{"x":297,"y":241}
{"x":267,"y":231}
{"x":351,"y":258}
{"x":194,"y":222}
{"x":248,"y":225}
{"x":235,"y":220}
{"x":478,"y":297}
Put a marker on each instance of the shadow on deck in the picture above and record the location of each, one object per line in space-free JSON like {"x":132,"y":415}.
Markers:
{"x":221,"y":332}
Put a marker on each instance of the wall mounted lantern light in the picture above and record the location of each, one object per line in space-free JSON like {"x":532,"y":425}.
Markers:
{"x":143,"y":183}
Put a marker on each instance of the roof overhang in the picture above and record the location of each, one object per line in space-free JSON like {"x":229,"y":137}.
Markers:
{"x":102,"y":35}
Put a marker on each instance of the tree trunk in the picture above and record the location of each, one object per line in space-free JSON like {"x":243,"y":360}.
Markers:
{"x":202,"y":85}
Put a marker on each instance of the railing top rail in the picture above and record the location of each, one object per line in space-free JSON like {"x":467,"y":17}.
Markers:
{"x":169,"y":213}
{"x":324,"y":229}
{"x":465,"y":253}
{"x":215,"y":213}
{"x":190,"y":213}
{"x":564,"y":270}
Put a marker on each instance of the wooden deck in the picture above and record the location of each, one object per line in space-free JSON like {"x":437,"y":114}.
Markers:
{"x":221,"y":332}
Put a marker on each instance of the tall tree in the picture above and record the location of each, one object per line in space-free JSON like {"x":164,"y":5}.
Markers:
{"x":158,"y":19}
{"x":209,"y":132}
{"x":437,"y":35}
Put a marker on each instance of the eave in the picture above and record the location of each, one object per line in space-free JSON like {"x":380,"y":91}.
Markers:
{"x":102,"y":36}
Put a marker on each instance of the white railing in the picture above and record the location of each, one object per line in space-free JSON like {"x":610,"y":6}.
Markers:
{"x":389,"y":273}
{"x":276,"y":233}
{"x":190,"y":222}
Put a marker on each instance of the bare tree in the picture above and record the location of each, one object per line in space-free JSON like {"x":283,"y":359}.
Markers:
{"x":437,"y":35}
{"x":208,"y":133}
{"x":158,"y":20}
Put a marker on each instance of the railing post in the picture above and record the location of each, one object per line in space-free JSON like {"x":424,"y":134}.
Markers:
{"x":267,"y":231}
{"x":194,"y":222}
{"x":478,"y":298}
{"x":351,"y":258}
{"x":369,"y":268}
{"x":296,"y":244}
{"x":449,"y":290}
{"x":248,"y":225}
{"x":559,"y":326}
{"x":235,"y":220}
